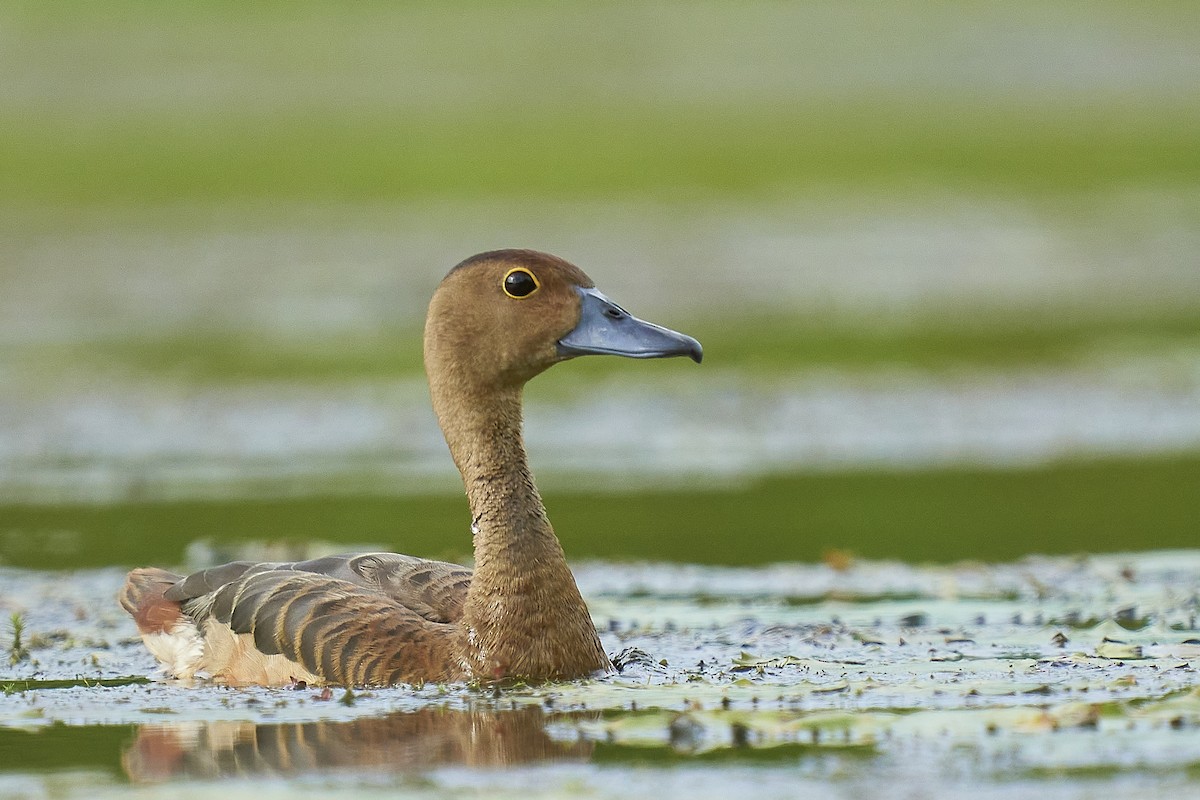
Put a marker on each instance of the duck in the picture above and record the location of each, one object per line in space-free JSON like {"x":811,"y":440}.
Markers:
{"x":497,"y":320}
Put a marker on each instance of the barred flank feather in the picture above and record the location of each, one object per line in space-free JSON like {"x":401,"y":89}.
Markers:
{"x":350,"y":629}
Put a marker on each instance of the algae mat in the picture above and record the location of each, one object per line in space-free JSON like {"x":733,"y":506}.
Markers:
{"x":1048,"y":674}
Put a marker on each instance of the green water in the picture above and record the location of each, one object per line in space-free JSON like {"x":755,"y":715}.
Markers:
{"x":65,"y":747}
{"x":921,"y":515}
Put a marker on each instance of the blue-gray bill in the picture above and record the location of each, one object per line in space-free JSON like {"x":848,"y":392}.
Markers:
{"x":607,"y":329}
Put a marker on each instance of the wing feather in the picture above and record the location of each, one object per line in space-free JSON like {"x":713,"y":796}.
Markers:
{"x":435,"y":590}
{"x":208,"y":581}
{"x":334,"y":628}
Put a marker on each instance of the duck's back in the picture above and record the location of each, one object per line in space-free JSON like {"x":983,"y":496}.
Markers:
{"x":365,"y":618}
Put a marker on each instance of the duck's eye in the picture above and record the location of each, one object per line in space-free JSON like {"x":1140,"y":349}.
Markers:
{"x":520,"y":283}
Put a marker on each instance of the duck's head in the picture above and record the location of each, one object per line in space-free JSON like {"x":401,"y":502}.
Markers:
{"x":501,"y":317}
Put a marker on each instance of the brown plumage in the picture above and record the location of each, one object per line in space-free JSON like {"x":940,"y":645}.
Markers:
{"x":497,"y":320}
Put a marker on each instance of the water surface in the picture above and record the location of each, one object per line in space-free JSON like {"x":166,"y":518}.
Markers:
{"x":973,"y":679}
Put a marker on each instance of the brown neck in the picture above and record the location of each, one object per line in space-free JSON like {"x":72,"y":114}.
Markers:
{"x":506,"y":510}
{"x":524,"y":615}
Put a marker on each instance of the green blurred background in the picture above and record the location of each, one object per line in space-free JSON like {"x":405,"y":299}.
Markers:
{"x":944,"y":259}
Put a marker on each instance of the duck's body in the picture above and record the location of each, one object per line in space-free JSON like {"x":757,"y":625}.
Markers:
{"x":497,"y":320}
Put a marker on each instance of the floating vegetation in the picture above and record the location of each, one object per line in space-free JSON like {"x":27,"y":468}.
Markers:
{"x":17,"y":651}
{"x":1036,"y":668}
{"x":31,"y":684}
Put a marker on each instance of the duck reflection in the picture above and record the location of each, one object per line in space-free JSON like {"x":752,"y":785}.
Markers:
{"x":401,"y":742}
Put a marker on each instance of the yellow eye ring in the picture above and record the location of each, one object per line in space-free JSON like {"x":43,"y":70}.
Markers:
{"x":520,"y":283}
